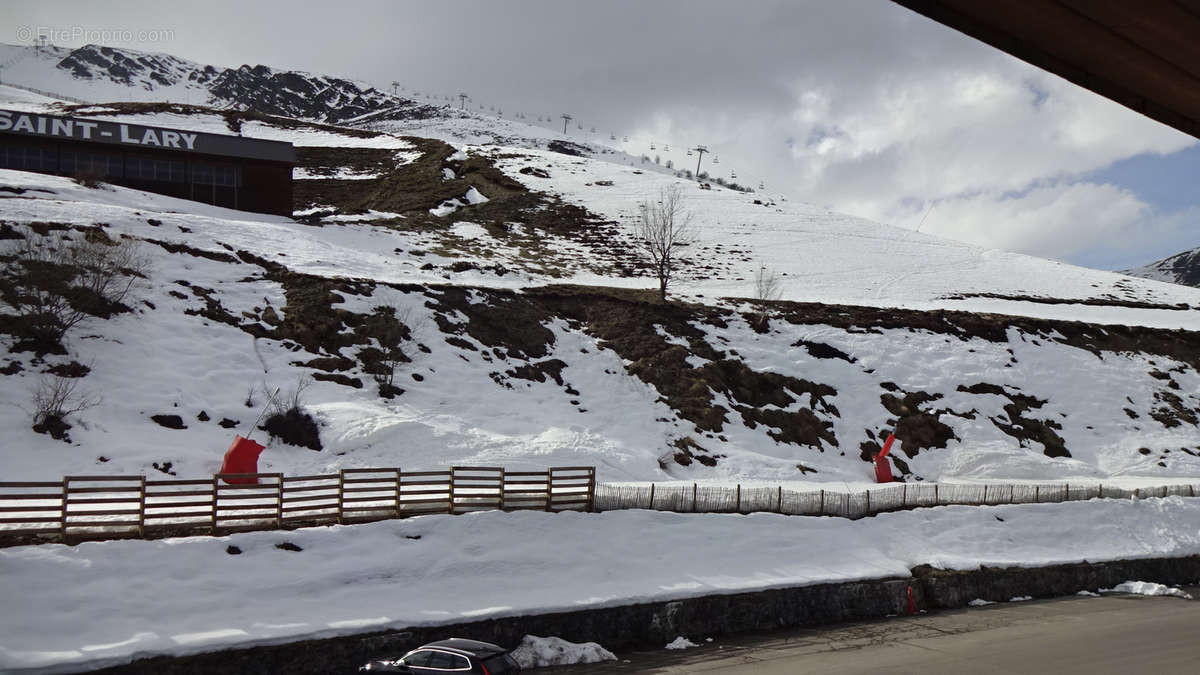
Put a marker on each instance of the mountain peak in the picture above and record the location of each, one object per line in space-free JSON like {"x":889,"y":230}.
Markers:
{"x":1181,"y":268}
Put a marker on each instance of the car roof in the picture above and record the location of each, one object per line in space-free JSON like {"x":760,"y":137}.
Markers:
{"x":468,"y":647}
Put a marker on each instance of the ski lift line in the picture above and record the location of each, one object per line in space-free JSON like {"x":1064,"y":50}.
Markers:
{"x":927,"y":212}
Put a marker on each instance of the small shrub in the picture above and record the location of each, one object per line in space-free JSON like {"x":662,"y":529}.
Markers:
{"x":289,"y":422}
{"x":56,"y":399}
{"x":54,"y":282}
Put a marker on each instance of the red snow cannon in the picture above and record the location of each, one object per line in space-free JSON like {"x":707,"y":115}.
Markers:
{"x":883,"y":470}
{"x":242,"y":457}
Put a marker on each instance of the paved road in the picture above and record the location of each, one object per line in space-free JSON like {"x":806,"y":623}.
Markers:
{"x":1092,"y":636}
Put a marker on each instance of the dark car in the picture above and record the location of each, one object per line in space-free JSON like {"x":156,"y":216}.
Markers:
{"x":456,"y":655}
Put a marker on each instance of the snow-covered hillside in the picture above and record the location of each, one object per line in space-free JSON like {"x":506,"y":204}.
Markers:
{"x":458,"y":289}
{"x":505,"y":254}
{"x":532,"y":342}
{"x":99,"y":74}
{"x":1181,"y":268}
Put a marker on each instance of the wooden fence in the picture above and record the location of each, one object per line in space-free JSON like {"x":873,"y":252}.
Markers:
{"x":89,"y":507}
{"x":894,"y":497}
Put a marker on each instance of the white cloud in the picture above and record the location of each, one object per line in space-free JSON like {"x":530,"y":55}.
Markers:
{"x":1055,"y":221}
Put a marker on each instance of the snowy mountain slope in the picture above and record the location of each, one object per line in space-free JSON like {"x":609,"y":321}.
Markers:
{"x":564,"y":375}
{"x":831,"y":257}
{"x":1181,"y":268}
{"x":105,"y":74}
{"x":809,"y":247}
{"x":532,"y":343}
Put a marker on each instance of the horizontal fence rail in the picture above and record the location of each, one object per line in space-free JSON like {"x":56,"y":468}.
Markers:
{"x":696,"y":498}
{"x":104,"y":507}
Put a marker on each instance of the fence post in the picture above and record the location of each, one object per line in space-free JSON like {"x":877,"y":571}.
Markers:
{"x":868,"y":509}
{"x":341,"y":496}
{"x":822,"y":511}
{"x":549,"y":489}
{"x":396,"y":494}
{"x":694,"y":490}
{"x":591,"y":498}
{"x":451,"y":507}
{"x":779,"y":501}
{"x":214,"y":504}
{"x":985,"y":501}
{"x":279,"y":502}
{"x":501,"y":488}
{"x":1164,"y":490}
{"x":142,"y":507}
{"x":739,"y":497}
{"x":651,"y":507}
{"x":904,"y":495}
{"x":1066,"y":492}
{"x":1100,"y":494}
{"x":1037,"y":494}
{"x":65,"y":498}
{"x":936,"y":500}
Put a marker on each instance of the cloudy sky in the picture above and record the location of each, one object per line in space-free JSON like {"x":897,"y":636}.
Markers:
{"x":858,"y":105}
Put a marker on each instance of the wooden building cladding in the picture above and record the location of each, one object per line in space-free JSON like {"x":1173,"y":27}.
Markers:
{"x":230,"y":171}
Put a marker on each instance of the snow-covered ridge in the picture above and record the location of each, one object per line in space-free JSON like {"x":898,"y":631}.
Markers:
{"x":1181,"y":268}
{"x":100,"y":73}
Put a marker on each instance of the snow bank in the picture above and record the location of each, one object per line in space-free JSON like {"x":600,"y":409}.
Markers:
{"x":681,"y":643}
{"x":446,"y":208}
{"x":1147,"y":588}
{"x":474,"y":196}
{"x":538,"y":652}
{"x":102,"y":603}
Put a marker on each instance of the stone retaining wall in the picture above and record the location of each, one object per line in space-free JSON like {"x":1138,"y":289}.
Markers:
{"x":656,"y":624}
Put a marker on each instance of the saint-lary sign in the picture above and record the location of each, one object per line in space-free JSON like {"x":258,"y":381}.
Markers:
{"x":87,"y":130}
{"x":249,"y":174}
{"x":120,"y":133}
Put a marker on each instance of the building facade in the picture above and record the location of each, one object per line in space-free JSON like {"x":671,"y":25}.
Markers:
{"x":232,"y":171}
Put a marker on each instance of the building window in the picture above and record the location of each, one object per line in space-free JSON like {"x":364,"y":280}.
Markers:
{"x":221,"y":175}
{"x":28,"y":158}
{"x":154,"y":169}
{"x":84,"y":162}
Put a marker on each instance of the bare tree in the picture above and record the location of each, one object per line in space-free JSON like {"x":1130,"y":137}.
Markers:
{"x":392,"y":327}
{"x":767,"y":287}
{"x":57,"y":281}
{"x":663,"y":227}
